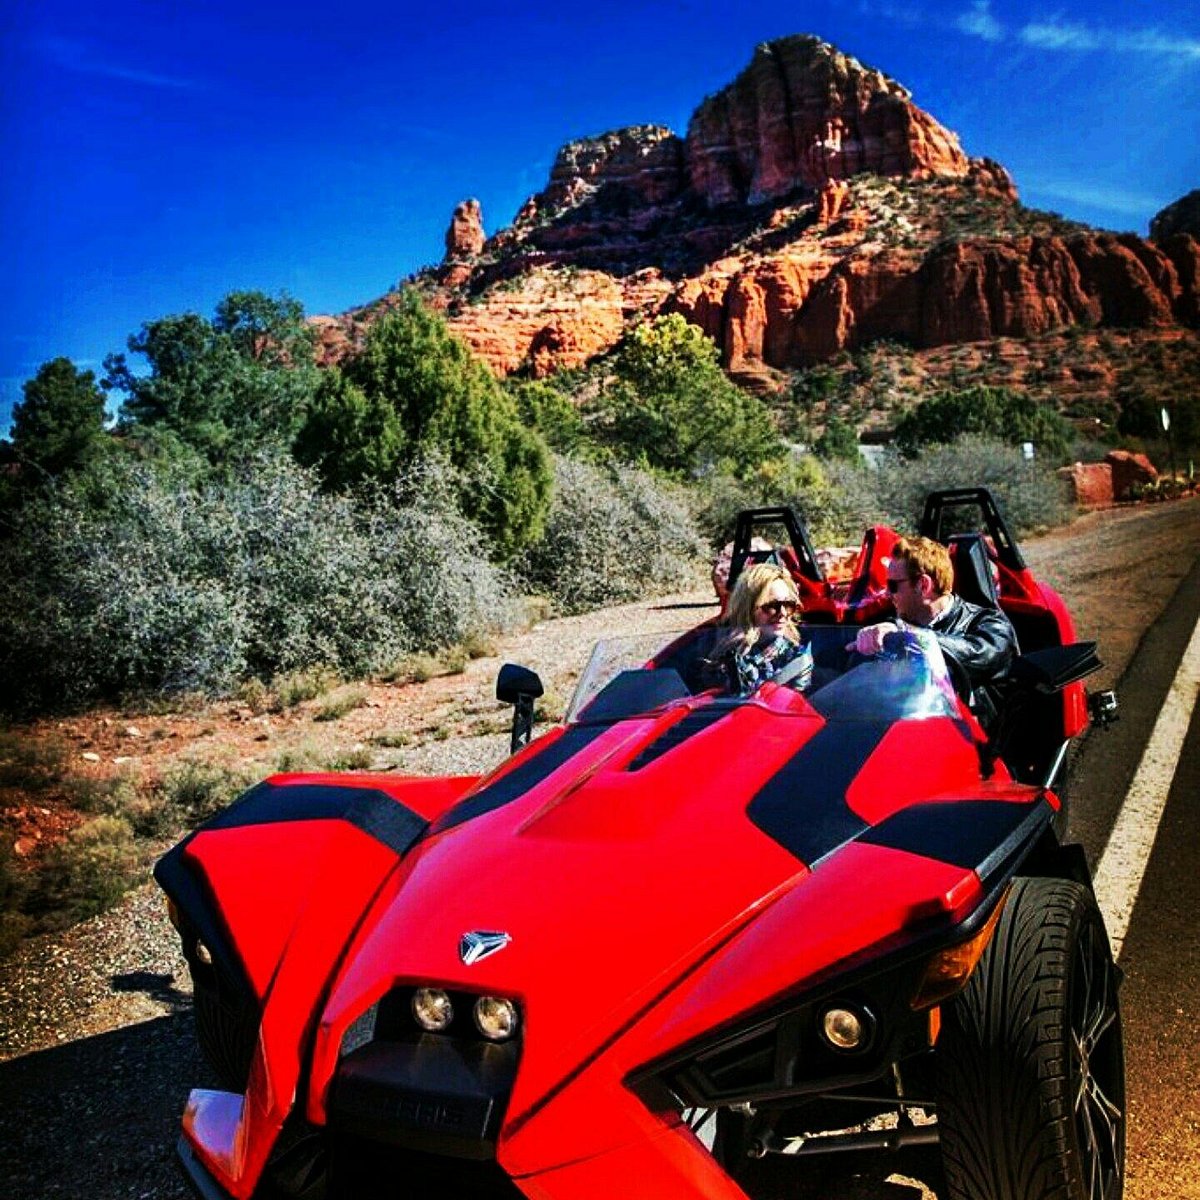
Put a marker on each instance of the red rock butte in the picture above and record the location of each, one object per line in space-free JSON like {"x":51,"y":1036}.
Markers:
{"x":812,"y":207}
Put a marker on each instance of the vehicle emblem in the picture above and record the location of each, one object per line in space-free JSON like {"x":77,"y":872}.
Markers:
{"x":479,"y":943}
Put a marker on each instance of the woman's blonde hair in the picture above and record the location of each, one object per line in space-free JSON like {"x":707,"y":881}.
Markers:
{"x":748,"y":592}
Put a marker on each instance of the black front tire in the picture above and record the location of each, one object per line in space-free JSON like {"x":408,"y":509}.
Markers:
{"x":1031,"y":1068}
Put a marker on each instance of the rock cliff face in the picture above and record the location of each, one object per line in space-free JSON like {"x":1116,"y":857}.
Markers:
{"x":802,"y":114}
{"x":811,"y":208}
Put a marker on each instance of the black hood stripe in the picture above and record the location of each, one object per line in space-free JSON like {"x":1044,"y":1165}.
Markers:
{"x":985,"y":836}
{"x":520,"y":779}
{"x":803,"y":805}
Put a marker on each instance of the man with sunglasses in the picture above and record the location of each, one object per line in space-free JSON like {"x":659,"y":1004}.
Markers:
{"x":982,"y":641}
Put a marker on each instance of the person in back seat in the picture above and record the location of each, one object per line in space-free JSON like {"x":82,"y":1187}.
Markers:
{"x":981,"y":640}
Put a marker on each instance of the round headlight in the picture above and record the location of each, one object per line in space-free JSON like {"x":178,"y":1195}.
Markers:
{"x":432,"y":1009}
{"x":843,"y":1028}
{"x":495,"y":1018}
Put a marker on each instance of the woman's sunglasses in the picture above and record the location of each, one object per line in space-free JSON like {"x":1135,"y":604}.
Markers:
{"x":775,"y":607}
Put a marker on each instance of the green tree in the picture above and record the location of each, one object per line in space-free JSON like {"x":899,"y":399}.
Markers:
{"x":839,"y":440}
{"x":552,"y":412}
{"x":672,"y":406}
{"x":59,"y":422}
{"x":415,"y":389}
{"x":350,"y":436}
{"x":240,"y":380}
{"x":996,"y":412}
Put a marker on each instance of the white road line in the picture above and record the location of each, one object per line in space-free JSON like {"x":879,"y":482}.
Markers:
{"x":1119,"y":875}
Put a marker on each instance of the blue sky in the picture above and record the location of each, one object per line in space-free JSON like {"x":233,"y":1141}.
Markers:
{"x":159,"y":154}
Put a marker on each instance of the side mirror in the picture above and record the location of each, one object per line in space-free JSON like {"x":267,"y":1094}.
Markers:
{"x":520,"y":687}
{"x":1049,"y":671}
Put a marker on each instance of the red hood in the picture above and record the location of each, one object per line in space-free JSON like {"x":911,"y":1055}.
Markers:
{"x":610,"y":881}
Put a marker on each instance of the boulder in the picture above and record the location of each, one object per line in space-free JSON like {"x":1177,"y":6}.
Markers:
{"x":1128,"y":470}
{"x":1091,"y":484}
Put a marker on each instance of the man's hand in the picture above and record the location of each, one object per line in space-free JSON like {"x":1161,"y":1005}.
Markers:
{"x":870,"y":639}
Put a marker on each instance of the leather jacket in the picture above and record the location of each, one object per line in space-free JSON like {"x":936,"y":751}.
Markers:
{"x":981,"y":639}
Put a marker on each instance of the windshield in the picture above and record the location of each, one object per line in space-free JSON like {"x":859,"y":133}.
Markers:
{"x":638,"y":676}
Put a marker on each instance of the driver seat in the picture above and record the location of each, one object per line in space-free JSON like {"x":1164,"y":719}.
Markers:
{"x":974,"y":577}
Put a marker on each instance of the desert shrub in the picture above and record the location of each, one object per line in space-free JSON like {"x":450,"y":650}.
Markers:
{"x":294,"y":759}
{"x":1030,"y":495}
{"x":838,"y":500}
{"x":340,"y":703}
{"x":838,"y":441}
{"x":357,"y":758}
{"x":146,"y":809}
{"x":88,"y":872}
{"x":31,"y":764}
{"x":175,"y":586}
{"x":414,"y":389}
{"x":297,"y":686}
{"x":196,"y":790}
{"x":552,"y":412}
{"x":434,"y":572}
{"x":851,"y":503}
{"x":671,"y":406}
{"x":613,"y":533}
{"x":256,"y":696}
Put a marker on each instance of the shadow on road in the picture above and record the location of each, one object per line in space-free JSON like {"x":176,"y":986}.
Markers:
{"x":911,"y":1174}
{"x":99,"y":1117}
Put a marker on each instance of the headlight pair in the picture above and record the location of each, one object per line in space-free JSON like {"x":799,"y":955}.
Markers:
{"x":495,"y":1017}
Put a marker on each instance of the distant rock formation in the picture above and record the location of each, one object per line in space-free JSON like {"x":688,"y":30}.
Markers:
{"x":811,"y":208}
{"x":1181,"y":217}
{"x":465,"y":236}
{"x":802,"y":114}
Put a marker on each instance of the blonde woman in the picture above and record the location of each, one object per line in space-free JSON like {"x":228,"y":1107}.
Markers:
{"x":764,"y":642}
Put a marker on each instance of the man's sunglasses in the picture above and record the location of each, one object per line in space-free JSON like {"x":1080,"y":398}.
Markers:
{"x":893,"y":585}
{"x":775,"y":607}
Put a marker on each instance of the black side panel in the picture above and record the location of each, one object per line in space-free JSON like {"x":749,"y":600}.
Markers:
{"x":986,"y":836}
{"x":803,"y":805}
{"x":192,"y":898}
{"x":520,"y":779}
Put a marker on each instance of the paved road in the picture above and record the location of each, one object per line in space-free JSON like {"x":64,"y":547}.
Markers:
{"x":74,"y":1121}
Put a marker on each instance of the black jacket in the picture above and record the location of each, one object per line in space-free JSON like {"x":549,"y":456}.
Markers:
{"x":982,"y":640}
